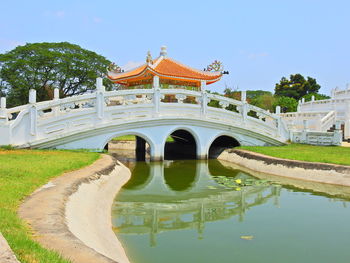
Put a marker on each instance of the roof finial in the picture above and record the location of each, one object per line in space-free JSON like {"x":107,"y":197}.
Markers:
{"x":163,"y":51}
{"x":149,"y":59}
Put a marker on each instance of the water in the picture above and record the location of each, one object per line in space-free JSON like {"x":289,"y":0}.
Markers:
{"x":177,"y":211}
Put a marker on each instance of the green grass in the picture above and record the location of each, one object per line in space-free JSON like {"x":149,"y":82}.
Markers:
{"x":303,"y":152}
{"x":21,"y":172}
{"x":133,"y":138}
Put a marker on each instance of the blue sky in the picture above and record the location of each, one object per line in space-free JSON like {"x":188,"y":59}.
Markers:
{"x":258,"y":41}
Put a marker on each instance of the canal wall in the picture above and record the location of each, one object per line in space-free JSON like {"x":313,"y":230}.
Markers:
{"x":6,"y":253}
{"x":122,"y":145}
{"x":308,"y":171}
{"x":72,"y":213}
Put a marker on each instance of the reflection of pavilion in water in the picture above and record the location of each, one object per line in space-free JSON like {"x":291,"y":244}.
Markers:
{"x":173,"y":196}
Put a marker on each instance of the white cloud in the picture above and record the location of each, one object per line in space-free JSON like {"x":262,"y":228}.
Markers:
{"x":132,"y":64}
{"x":257,"y":55}
{"x":55,"y":14}
{"x":97,"y":20}
{"x":60,"y":14}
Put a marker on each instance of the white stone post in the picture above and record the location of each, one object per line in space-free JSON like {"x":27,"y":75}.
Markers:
{"x":278,"y":110}
{"x":56,"y":96}
{"x":347,"y":121}
{"x":100,"y":98}
{"x":156,"y":94}
{"x":244,"y":105}
{"x":204,"y":98}
{"x":33,"y":113}
{"x":203,"y":85}
{"x":279,"y":125}
{"x":32,"y":96}
{"x":3,"y":115}
{"x":312,"y":98}
{"x":243,"y":96}
{"x":303,"y":100}
{"x":337,"y":134}
{"x":204,"y":103}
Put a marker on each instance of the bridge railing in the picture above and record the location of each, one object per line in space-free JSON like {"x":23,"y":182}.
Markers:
{"x":60,"y":115}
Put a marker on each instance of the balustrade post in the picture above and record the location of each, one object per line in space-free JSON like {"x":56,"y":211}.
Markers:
{"x":244,"y":105}
{"x":204,"y":103}
{"x":56,"y":96}
{"x":3,"y":114}
{"x":156,"y":95}
{"x":279,"y":124}
{"x":100,"y":98}
{"x":33,"y":113}
{"x":347,"y":121}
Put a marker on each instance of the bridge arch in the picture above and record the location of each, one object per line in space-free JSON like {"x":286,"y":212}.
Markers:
{"x":221,"y":142}
{"x":181,"y":135}
{"x":143,"y":136}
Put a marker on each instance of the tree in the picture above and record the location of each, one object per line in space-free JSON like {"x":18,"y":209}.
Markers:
{"x":265,"y":101}
{"x":296,"y":87}
{"x":44,"y":66}
{"x":287,"y":104}
{"x":307,"y":97}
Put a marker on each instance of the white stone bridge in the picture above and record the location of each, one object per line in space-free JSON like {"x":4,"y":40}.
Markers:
{"x":90,"y":121}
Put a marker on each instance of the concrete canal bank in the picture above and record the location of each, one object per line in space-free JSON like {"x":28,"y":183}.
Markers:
{"x":71,"y":214}
{"x":307,"y":171}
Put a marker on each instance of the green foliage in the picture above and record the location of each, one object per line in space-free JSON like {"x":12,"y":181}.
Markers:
{"x":287,"y":104}
{"x":233,"y":94}
{"x":307,"y":97}
{"x":7,"y":147}
{"x":296,"y":87}
{"x":304,"y":152}
{"x":253,"y":94}
{"x":265,"y":101}
{"x":44,"y":66}
{"x":22,"y":172}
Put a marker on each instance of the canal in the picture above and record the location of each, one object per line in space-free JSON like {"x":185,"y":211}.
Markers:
{"x":209,"y":211}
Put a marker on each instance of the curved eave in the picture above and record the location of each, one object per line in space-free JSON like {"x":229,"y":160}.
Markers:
{"x":122,"y":80}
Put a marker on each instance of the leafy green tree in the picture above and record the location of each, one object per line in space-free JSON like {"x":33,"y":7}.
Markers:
{"x":296,"y":87}
{"x":287,"y":104}
{"x":265,"y":101}
{"x":253,"y":94}
{"x":307,"y":97}
{"x":44,"y":66}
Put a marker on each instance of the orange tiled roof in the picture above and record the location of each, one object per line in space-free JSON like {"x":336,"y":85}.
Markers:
{"x":167,"y":68}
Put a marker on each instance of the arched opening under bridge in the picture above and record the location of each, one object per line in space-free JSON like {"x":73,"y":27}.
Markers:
{"x":220,"y":144}
{"x":181,"y":146}
{"x":129,"y":148}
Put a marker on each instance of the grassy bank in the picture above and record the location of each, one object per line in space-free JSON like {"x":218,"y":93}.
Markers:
{"x":303,"y":152}
{"x":21,"y":172}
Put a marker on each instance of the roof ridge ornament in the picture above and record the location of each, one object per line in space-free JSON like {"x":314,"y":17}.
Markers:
{"x":114,"y":68}
{"x":163,"y":51}
{"x":216,"y":66}
{"x":149,"y":59}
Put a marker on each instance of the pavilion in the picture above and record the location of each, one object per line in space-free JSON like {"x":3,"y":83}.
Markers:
{"x":163,"y":72}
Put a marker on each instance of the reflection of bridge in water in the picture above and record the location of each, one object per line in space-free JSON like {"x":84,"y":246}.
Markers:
{"x":153,"y":201}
